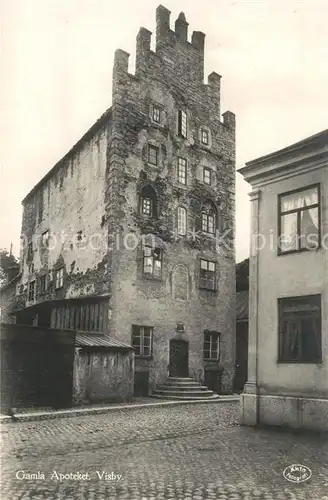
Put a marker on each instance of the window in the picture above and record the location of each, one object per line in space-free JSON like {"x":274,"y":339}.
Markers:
{"x":211,"y":346}
{"x":207,"y":176}
{"x":182,"y":170}
{"x":152,"y":262}
{"x":209,"y":218}
{"x":21,"y":289}
{"x":31,"y":290}
{"x":299,"y":220}
{"x":45,"y":239}
{"x":204,"y":136}
{"x":156,"y":114}
{"x":300,"y":329}
{"x":152,"y":154}
{"x":30,"y":250}
{"x":182,"y":123}
{"x":60,"y":278}
{"x":142,"y":340}
{"x":182,"y":221}
{"x":148,"y":201}
{"x":43,"y":283}
{"x":31,"y":268}
{"x":207,"y":274}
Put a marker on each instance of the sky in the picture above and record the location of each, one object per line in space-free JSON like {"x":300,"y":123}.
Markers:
{"x":57,"y":59}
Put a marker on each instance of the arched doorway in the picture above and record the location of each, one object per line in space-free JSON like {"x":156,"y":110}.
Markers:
{"x":179,"y":358}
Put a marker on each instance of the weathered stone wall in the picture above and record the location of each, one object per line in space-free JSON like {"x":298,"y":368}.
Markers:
{"x":173,"y":79}
{"x":103,"y":375}
{"x":70,"y":204}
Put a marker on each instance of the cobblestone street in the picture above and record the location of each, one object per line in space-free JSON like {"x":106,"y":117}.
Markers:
{"x":189,"y":452}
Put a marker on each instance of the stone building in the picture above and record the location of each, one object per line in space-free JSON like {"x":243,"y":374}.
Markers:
{"x":132,"y":232}
{"x":287,"y":380}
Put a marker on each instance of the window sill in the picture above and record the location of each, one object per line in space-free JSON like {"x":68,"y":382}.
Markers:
{"x":301,"y":250}
{"x":214,"y":291}
{"x":294,"y":361}
{"x":152,"y":278}
{"x":147,"y":358}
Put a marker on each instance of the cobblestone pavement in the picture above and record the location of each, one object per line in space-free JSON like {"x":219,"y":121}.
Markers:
{"x":192,"y":452}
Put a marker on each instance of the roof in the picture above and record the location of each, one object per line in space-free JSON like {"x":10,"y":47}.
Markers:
{"x":242,"y":305}
{"x":97,"y":340}
{"x":319,"y":138}
{"x":89,"y":133}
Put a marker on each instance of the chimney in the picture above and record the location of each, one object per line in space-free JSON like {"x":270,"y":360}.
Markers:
{"x":181,"y":28}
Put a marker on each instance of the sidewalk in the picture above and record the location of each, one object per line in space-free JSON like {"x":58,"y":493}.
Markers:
{"x":32,"y":414}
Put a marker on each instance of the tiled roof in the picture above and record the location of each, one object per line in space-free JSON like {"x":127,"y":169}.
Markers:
{"x":96,"y":340}
{"x":242,"y":305}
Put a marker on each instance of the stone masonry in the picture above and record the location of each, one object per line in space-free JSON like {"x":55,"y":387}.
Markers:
{"x":89,"y":209}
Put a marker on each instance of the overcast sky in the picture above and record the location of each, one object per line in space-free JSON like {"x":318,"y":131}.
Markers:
{"x":57,"y":58}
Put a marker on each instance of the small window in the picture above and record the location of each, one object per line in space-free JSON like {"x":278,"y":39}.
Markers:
{"x":209,"y":218}
{"x":30,"y":250}
{"x":156,"y":114}
{"x":207,"y":274}
{"x":207,"y":176}
{"x":182,"y":171}
{"x":204,"y":136}
{"x":211,"y":346}
{"x":21,"y":289}
{"x":182,"y":123}
{"x":31,"y":268}
{"x":43,"y":284}
{"x":142,"y":340}
{"x":31,"y":290}
{"x":300,"y":329}
{"x":148,"y":201}
{"x":182,"y":221}
{"x":45,"y":239}
{"x":152,"y":262}
{"x":59,"y":278}
{"x":299,"y":220}
{"x":152,"y":154}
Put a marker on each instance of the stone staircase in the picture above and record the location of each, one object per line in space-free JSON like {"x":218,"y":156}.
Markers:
{"x":183,"y":389}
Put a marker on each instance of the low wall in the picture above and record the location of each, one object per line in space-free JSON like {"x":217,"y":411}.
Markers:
{"x":36,"y":366}
{"x":103,"y":375}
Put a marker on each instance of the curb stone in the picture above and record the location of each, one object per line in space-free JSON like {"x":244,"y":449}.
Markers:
{"x":48,"y":415}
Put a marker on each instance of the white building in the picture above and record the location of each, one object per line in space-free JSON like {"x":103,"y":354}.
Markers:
{"x":288,"y":312}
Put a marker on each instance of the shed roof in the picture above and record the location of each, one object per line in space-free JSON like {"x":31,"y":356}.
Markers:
{"x":96,"y":340}
{"x":242,"y":305}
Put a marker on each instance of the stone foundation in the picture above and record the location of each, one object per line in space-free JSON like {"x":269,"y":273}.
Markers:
{"x":287,"y":411}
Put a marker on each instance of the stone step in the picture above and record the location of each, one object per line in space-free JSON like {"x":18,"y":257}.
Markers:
{"x":179,"y":387}
{"x":183,"y":394}
{"x":185,"y":398}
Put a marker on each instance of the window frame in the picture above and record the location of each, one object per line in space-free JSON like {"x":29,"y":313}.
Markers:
{"x":212,"y":214}
{"x":31,"y":291}
{"x":182,"y":123}
{"x":61,"y":278}
{"x":182,"y":167}
{"x":156,"y":109}
{"x":203,"y":282}
{"x":141,"y":335}
{"x":43,"y":279}
{"x":45,"y":242}
{"x":152,"y":275}
{"x":155,"y":149}
{"x":181,"y":208}
{"x":213,"y":336}
{"x":209,"y":170}
{"x":297,"y":317}
{"x":147,"y":199}
{"x":203,"y":131}
{"x":280,"y":251}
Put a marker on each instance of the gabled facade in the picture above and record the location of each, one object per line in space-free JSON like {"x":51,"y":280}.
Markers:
{"x":132,"y":232}
{"x":288,"y":312}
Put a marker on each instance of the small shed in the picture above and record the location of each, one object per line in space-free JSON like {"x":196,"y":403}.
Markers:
{"x":103,"y":370}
